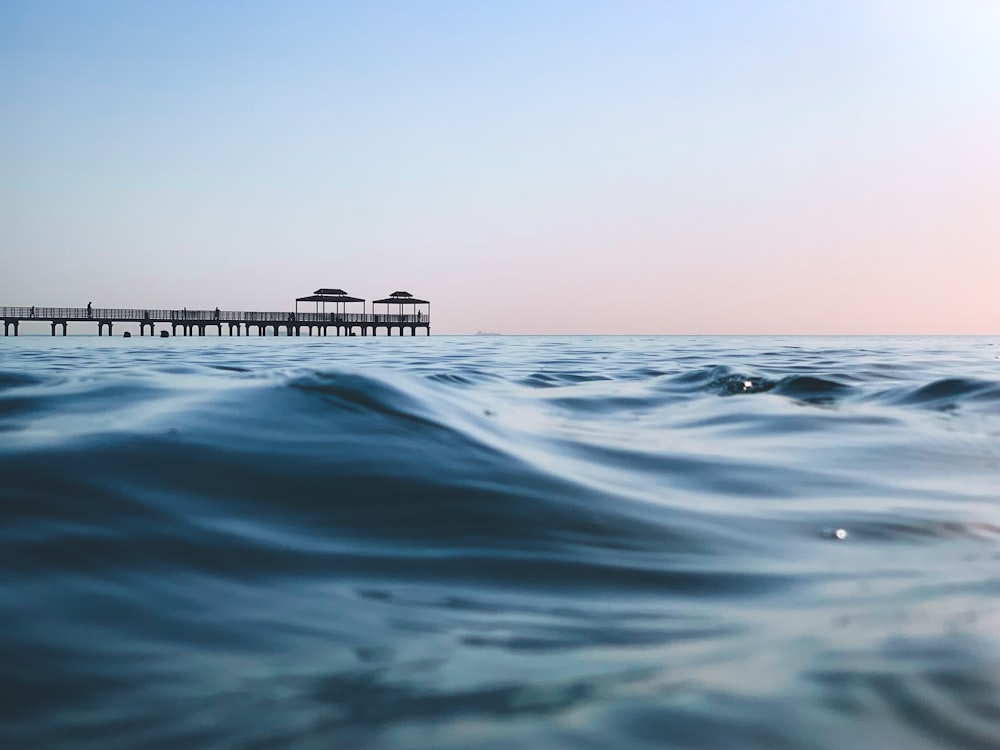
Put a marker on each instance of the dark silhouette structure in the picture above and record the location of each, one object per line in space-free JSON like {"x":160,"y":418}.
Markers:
{"x":342,"y":320}
{"x":403,"y":314}
{"x":407,"y":315}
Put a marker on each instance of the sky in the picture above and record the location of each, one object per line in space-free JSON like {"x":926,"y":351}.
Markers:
{"x":537,"y":166}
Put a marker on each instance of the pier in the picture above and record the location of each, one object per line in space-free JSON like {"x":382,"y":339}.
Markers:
{"x":404,"y":314}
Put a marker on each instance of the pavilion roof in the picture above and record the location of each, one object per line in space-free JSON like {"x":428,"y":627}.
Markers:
{"x":408,"y":300}
{"x":329,"y":298}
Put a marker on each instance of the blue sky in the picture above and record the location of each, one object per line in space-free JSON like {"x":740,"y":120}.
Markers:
{"x":542,"y":167}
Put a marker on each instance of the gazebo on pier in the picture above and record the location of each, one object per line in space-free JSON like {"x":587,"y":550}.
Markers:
{"x":340,"y":319}
{"x":415,"y":318}
{"x":338,"y":297}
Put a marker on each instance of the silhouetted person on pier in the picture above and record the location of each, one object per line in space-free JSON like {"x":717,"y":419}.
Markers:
{"x":185,"y":313}
{"x":216,"y":313}
{"x":89,"y":310}
{"x":146,"y":315}
{"x":418,"y":316}
{"x":291,"y":316}
{"x":32,"y":312}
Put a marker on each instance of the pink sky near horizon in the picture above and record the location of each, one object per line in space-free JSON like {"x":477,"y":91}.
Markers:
{"x":543,"y":167}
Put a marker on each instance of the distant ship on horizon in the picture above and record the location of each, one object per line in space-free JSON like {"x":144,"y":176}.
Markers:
{"x":488,"y":333}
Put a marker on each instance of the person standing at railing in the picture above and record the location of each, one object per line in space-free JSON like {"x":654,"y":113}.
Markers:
{"x":90,"y":312}
{"x":216,"y":313}
{"x":32,"y":314}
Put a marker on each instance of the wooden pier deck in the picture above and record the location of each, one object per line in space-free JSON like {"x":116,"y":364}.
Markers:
{"x":196,"y":322}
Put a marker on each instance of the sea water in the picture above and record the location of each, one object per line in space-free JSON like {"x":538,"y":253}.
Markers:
{"x":499,"y":542}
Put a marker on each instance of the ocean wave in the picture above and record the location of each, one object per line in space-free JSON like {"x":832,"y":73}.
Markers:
{"x":641,"y":547}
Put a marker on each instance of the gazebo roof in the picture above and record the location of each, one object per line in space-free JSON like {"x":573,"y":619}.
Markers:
{"x":328,"y":298}
{"x":330,"y":291}
{"x":407,"y":300}
{"x":400,"y":294}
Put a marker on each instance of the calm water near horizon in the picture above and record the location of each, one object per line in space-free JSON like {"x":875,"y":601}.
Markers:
{"x":500,"y":542}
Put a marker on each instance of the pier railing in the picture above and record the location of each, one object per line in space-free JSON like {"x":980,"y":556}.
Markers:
{"x":139,"y":315}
